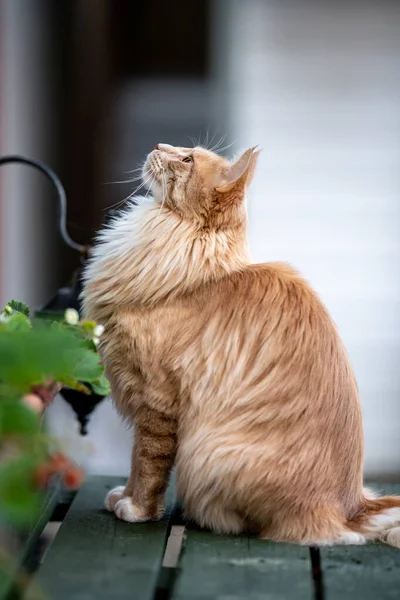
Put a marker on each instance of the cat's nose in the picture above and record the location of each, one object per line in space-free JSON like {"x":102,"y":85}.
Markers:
{"x":163,"y":147}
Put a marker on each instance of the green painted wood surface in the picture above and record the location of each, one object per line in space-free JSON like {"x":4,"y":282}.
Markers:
{"x":233,"y":568}
{"x":95,"y":556}
{"x":12,"y":572}
{"x":370,"y":572}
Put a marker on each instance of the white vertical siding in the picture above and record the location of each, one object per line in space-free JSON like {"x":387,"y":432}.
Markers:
{"x":317,"y":85}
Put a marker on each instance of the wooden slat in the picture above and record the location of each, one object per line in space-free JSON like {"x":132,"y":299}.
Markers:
{"x":12,"y":574}
{"x":239,"y":567}
{"x":370,"y":572}
{"x":95,"y":556}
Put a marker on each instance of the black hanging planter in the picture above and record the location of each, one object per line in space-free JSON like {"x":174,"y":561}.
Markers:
{"x":68,"y":296}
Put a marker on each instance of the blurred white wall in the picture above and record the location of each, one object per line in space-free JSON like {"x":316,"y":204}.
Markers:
{"x":317,"y":85}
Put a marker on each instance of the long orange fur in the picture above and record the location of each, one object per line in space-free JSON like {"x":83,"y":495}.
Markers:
{"x":233,"y":371}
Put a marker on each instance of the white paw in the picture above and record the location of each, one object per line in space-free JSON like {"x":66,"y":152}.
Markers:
{"x":347,"y":538}
{"x":352,"y":538}
{"x":126,"y":511}
{"x":113,"y":496}
{"x":392,"y":537}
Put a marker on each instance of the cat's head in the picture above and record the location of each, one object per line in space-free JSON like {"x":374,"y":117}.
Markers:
{"x":198,"y":184}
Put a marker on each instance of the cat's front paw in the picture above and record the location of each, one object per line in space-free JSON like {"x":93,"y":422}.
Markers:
{"x":113,"y":497}
{"x":125,"y":510}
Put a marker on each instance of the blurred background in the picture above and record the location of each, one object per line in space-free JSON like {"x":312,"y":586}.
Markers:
{"x":90,"y":86}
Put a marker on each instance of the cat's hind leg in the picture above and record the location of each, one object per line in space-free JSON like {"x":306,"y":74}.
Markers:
{"x":214,"y":515}
{"x":319,"y":526}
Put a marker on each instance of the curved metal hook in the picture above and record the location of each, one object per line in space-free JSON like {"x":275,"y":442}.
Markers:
{"x":62,"y":197}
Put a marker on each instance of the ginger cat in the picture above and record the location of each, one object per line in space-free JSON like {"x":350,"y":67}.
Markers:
{"x":233,"y":371}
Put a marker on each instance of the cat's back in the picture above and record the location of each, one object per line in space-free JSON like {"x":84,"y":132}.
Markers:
{"x":264,"y":330}
{"x":265,"y":293}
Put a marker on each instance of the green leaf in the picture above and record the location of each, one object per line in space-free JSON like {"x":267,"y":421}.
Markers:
{"x":61,"y":326}
{"x":17,"y":418}
{"x":48,"y":315}
{"x":78,"y":386}
{"x":7,"y":392}
{"x":19,"y":499}
{"x":43,"y":354}
{"x":19,"y":307}
{"x":18,"y":322}
{"x":101,"y":386}
{"x":87,"y":366}
{"x":32,"y":354}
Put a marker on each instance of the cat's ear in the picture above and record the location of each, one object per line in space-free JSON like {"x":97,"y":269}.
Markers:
{"x":240,"y":172}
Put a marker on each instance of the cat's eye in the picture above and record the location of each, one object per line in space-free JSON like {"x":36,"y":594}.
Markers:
{"x":187,"y":159}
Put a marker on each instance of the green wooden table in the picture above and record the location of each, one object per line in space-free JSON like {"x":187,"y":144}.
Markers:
{"x":16,"y":566}
{"x":94,"y":556}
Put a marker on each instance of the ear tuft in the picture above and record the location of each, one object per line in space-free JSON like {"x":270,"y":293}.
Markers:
{"x":225,"y":187}
{"x":240,"y":172}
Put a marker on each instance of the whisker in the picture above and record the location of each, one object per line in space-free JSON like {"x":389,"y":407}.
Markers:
{"x":207,"y":137}
{"x":195,"y":141}
{"x":220,"y":141}
{"x":139,"y":168}
{"x":148,"y":191}
{"x":138,"y":171}
{"x":116,"y":205}
{"x":219,"y":150}
{"x":163,"y":191}
{"x":132,"y":180}
{"x":205,"y":142}
{"x":120,"y":202}
{"x":213,"y":137}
